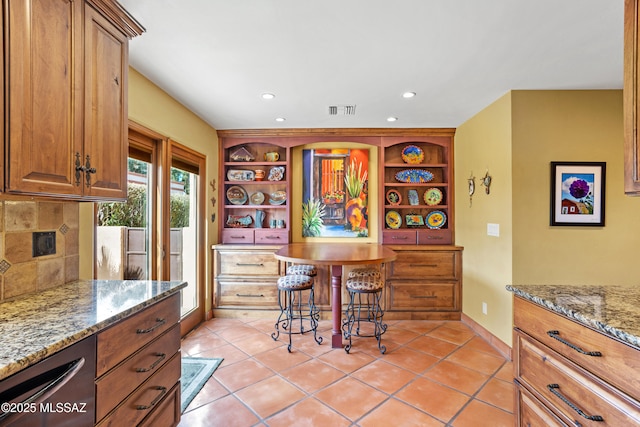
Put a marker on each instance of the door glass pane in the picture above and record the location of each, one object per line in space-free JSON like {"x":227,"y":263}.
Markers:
{"x":184,"y":235}
{"x":122,"y":232}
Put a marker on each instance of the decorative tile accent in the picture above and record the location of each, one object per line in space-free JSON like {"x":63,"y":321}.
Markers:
{"x":64,"y":228}
{"x":4,"y":266}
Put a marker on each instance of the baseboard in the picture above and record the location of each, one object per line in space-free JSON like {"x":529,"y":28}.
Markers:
{"x":494,"y":341}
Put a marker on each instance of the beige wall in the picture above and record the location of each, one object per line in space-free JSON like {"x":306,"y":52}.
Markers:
{"x":484,"y":144}
{"x":152,"y":107}
{"x":530,"y":129}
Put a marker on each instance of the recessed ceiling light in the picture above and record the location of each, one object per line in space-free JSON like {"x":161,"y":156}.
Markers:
{"x":392,"y":119}
{"x":267,"y":95}
{"x":280,"y":119}
{"x":408,"y":94}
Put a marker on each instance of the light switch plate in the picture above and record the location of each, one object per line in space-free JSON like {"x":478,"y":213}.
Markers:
{"x":493,"y":230}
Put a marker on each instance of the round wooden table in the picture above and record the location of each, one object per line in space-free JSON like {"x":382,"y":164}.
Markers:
{"x":335,"y":255}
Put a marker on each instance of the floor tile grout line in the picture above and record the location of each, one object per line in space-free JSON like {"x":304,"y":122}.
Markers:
{"x":375,"y":358}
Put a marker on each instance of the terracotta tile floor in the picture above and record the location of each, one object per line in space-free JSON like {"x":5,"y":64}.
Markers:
{"x":434,"y":373}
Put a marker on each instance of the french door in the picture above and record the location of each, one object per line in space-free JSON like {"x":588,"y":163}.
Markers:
{"x":158,"y":233}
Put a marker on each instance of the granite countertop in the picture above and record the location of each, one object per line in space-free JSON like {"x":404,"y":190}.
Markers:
{"x":36,"y":326}
{"x":613,"y":310}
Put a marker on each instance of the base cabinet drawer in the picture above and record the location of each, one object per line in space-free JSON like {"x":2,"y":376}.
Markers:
{"x":570,"y":391}
{"x":259,"y":294}
{"x":167,"y":413}
{"x":532,"y":413}
{"x":407,"y":295}
{"x":147,"y":397}
{"x":426,"y":264}
{"x":247,"y":263}
{"x":615,"y":359}
{"x":118,"y":383}
{"x":123,"y":339}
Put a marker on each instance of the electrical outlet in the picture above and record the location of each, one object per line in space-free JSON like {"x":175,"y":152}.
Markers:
{"x":484,"y":307}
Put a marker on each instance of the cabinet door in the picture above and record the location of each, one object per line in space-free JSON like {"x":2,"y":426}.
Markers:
{"x":44,"y":75}
{"x":631,"y":93}
{"x":105,"y":127}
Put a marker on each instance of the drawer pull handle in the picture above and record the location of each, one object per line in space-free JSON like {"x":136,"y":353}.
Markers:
{"x":237,"y":237}
{"x":240,"y":264}
{"x":154,"y":402}
{"x":160,"y":356}
{"x":423,"y":296}
{"x":553,"y":388}
{"x":399,"y":237}
{"x":159,"y":322}
{"x":423,"y":265}
{"x":250,"y":296}
{"x":272,"y":237}
{"x":556,"y":336}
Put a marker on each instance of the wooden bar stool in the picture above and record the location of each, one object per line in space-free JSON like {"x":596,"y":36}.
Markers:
{"x":293,"y":308}
{"x":365,"y":292}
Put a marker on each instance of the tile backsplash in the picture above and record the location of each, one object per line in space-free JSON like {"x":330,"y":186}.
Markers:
{"x":20,"y":272}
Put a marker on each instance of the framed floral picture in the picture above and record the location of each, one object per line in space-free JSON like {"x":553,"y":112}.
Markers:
{"x":578,"y":193}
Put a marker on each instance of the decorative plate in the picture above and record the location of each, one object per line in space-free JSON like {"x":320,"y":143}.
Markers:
{"x":432,"y":197}
{"x":257,"y":198}
{"x":393,"y":220}
{"x":412,"y":155}
{"x":414,"y":175}
{"x":239,"y":220}
{"x":394,"y":197}
{"x":241,"y":175}
{"x":237,"y":195}
{"x":436,"y":219}
{"x":414,"y":220}
{"x":278,"y":197}
{"x":276,"y":173}
{"x":241,"y":155}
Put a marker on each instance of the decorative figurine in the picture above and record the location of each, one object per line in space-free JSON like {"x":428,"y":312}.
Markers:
{"x":486,"y":181}
{"x":472,"y":187}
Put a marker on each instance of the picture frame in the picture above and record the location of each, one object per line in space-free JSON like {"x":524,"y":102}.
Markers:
{"x":578,"y":194}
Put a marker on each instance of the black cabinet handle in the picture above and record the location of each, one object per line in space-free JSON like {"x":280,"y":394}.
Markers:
{"x":250,"y":296}
{"x":160,"y":356}
{"x":154,"y":402}
{"x":556,"y":336}
{"x":241,"y":264}
{"x":554,"y":388}
{"x":159,"y":322}
{"x":423,"y":296}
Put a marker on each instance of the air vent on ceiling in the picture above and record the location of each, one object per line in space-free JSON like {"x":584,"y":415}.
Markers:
{"x":342,"y":110}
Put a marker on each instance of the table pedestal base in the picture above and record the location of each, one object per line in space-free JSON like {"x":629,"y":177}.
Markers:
{"x":336,"y":305}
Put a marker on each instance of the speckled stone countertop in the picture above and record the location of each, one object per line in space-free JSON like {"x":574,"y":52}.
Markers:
{"x":613,"y":310}
{"x":36,"y":326}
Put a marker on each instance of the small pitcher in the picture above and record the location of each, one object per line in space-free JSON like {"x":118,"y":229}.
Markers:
{"x":259,"y":218}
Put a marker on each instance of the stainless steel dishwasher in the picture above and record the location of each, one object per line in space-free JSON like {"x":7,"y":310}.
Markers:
{"x":55,"y":392}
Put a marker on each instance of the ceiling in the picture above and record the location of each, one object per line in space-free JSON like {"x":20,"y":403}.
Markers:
{"x":217,"y":57}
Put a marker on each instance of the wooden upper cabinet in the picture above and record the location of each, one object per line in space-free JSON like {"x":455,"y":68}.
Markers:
{"x":66,"y":104}
{"x":631,"y":96}
{"x":105,"y":118}
{"x":44,"y":74}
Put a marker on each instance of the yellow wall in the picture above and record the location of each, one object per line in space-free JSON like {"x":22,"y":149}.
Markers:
{"x":530,"y":129}
{"x":155,"y":109}
{"x":484,"y":144}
